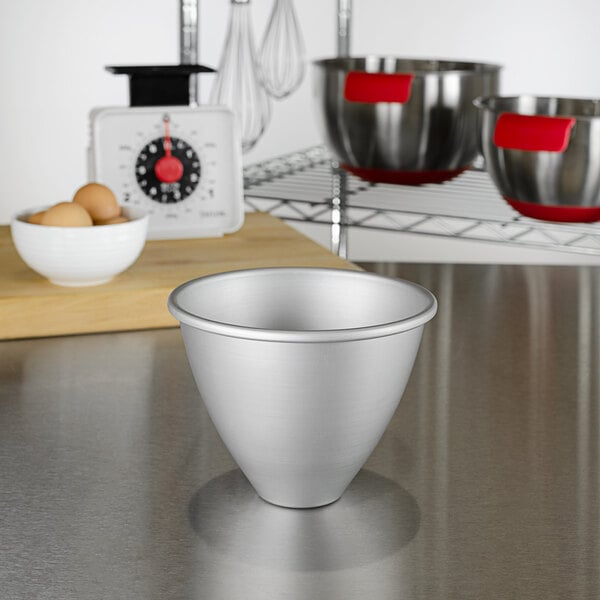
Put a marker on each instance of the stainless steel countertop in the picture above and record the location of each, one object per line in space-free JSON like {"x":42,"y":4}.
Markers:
{"x":114,"y":484}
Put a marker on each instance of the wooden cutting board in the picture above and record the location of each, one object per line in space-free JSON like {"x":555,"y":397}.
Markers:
{"x":30,"y":306}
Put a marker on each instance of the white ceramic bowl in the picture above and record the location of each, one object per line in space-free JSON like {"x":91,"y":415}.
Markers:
{"x":80,"y":256}
{"x":301,"y":369}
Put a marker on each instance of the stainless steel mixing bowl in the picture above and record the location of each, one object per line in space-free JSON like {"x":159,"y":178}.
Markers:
{"x":398,"y":120}
{"x":301,"y":369}
{"x":543,"y":154}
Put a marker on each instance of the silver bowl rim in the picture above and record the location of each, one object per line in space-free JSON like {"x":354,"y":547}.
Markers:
{"x":451,"y":65}
{"x":483,"y":103}
{"x":329,"y":335}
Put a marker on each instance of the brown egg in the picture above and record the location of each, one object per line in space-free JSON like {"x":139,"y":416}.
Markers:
{"x":36,"y":218}
{"x":113,"y":221}
{"x":98,"y":200}
{"x":67,"y":214}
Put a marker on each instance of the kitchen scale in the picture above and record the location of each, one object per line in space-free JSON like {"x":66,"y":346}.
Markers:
{"x":182,"y":164}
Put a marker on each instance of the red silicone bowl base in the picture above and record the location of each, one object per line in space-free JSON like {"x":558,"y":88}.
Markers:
{"x":562,"y":214}
{"x":403,"y":177}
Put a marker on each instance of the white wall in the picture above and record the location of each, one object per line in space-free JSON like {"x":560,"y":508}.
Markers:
{"x":53,"y":53}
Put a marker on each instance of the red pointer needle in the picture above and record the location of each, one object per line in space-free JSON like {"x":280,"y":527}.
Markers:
{"x":168,"y":168}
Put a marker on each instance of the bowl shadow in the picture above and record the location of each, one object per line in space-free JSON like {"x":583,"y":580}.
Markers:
{"x":374,"y":518}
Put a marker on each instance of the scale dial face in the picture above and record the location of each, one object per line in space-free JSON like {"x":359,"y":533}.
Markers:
{"x":183,"y":165}
{"x":151,"y":183}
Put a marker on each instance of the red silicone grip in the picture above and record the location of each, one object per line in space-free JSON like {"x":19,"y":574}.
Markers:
{"x":533,"y":132}
{"x":377,"y":87}
{"x":563,"y":214}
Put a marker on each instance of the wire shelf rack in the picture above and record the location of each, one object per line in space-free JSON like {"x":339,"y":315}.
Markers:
{"x":308,"y":186}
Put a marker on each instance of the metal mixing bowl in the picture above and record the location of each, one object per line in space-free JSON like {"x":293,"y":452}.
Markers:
{"x":543,"y":154}
{"x":301,"y":369}
{"x":401,"y":120}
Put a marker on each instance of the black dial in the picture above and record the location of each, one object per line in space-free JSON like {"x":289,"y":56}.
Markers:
{"x":176,"y":175}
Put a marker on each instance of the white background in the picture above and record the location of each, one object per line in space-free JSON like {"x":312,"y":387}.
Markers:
{"x":53,"y":55}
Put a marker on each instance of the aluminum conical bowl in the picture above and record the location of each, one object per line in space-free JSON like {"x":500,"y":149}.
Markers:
{"x":301,"y":369}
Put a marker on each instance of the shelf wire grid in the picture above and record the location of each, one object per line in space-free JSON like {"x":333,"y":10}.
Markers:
{"x":308,"y":186}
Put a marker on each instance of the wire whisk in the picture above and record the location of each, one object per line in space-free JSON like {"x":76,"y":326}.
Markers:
{"x":238,"y":82}
{"x":281,"y":56}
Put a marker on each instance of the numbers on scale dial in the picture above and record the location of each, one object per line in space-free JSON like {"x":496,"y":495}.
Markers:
{"x":167,"y":169}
